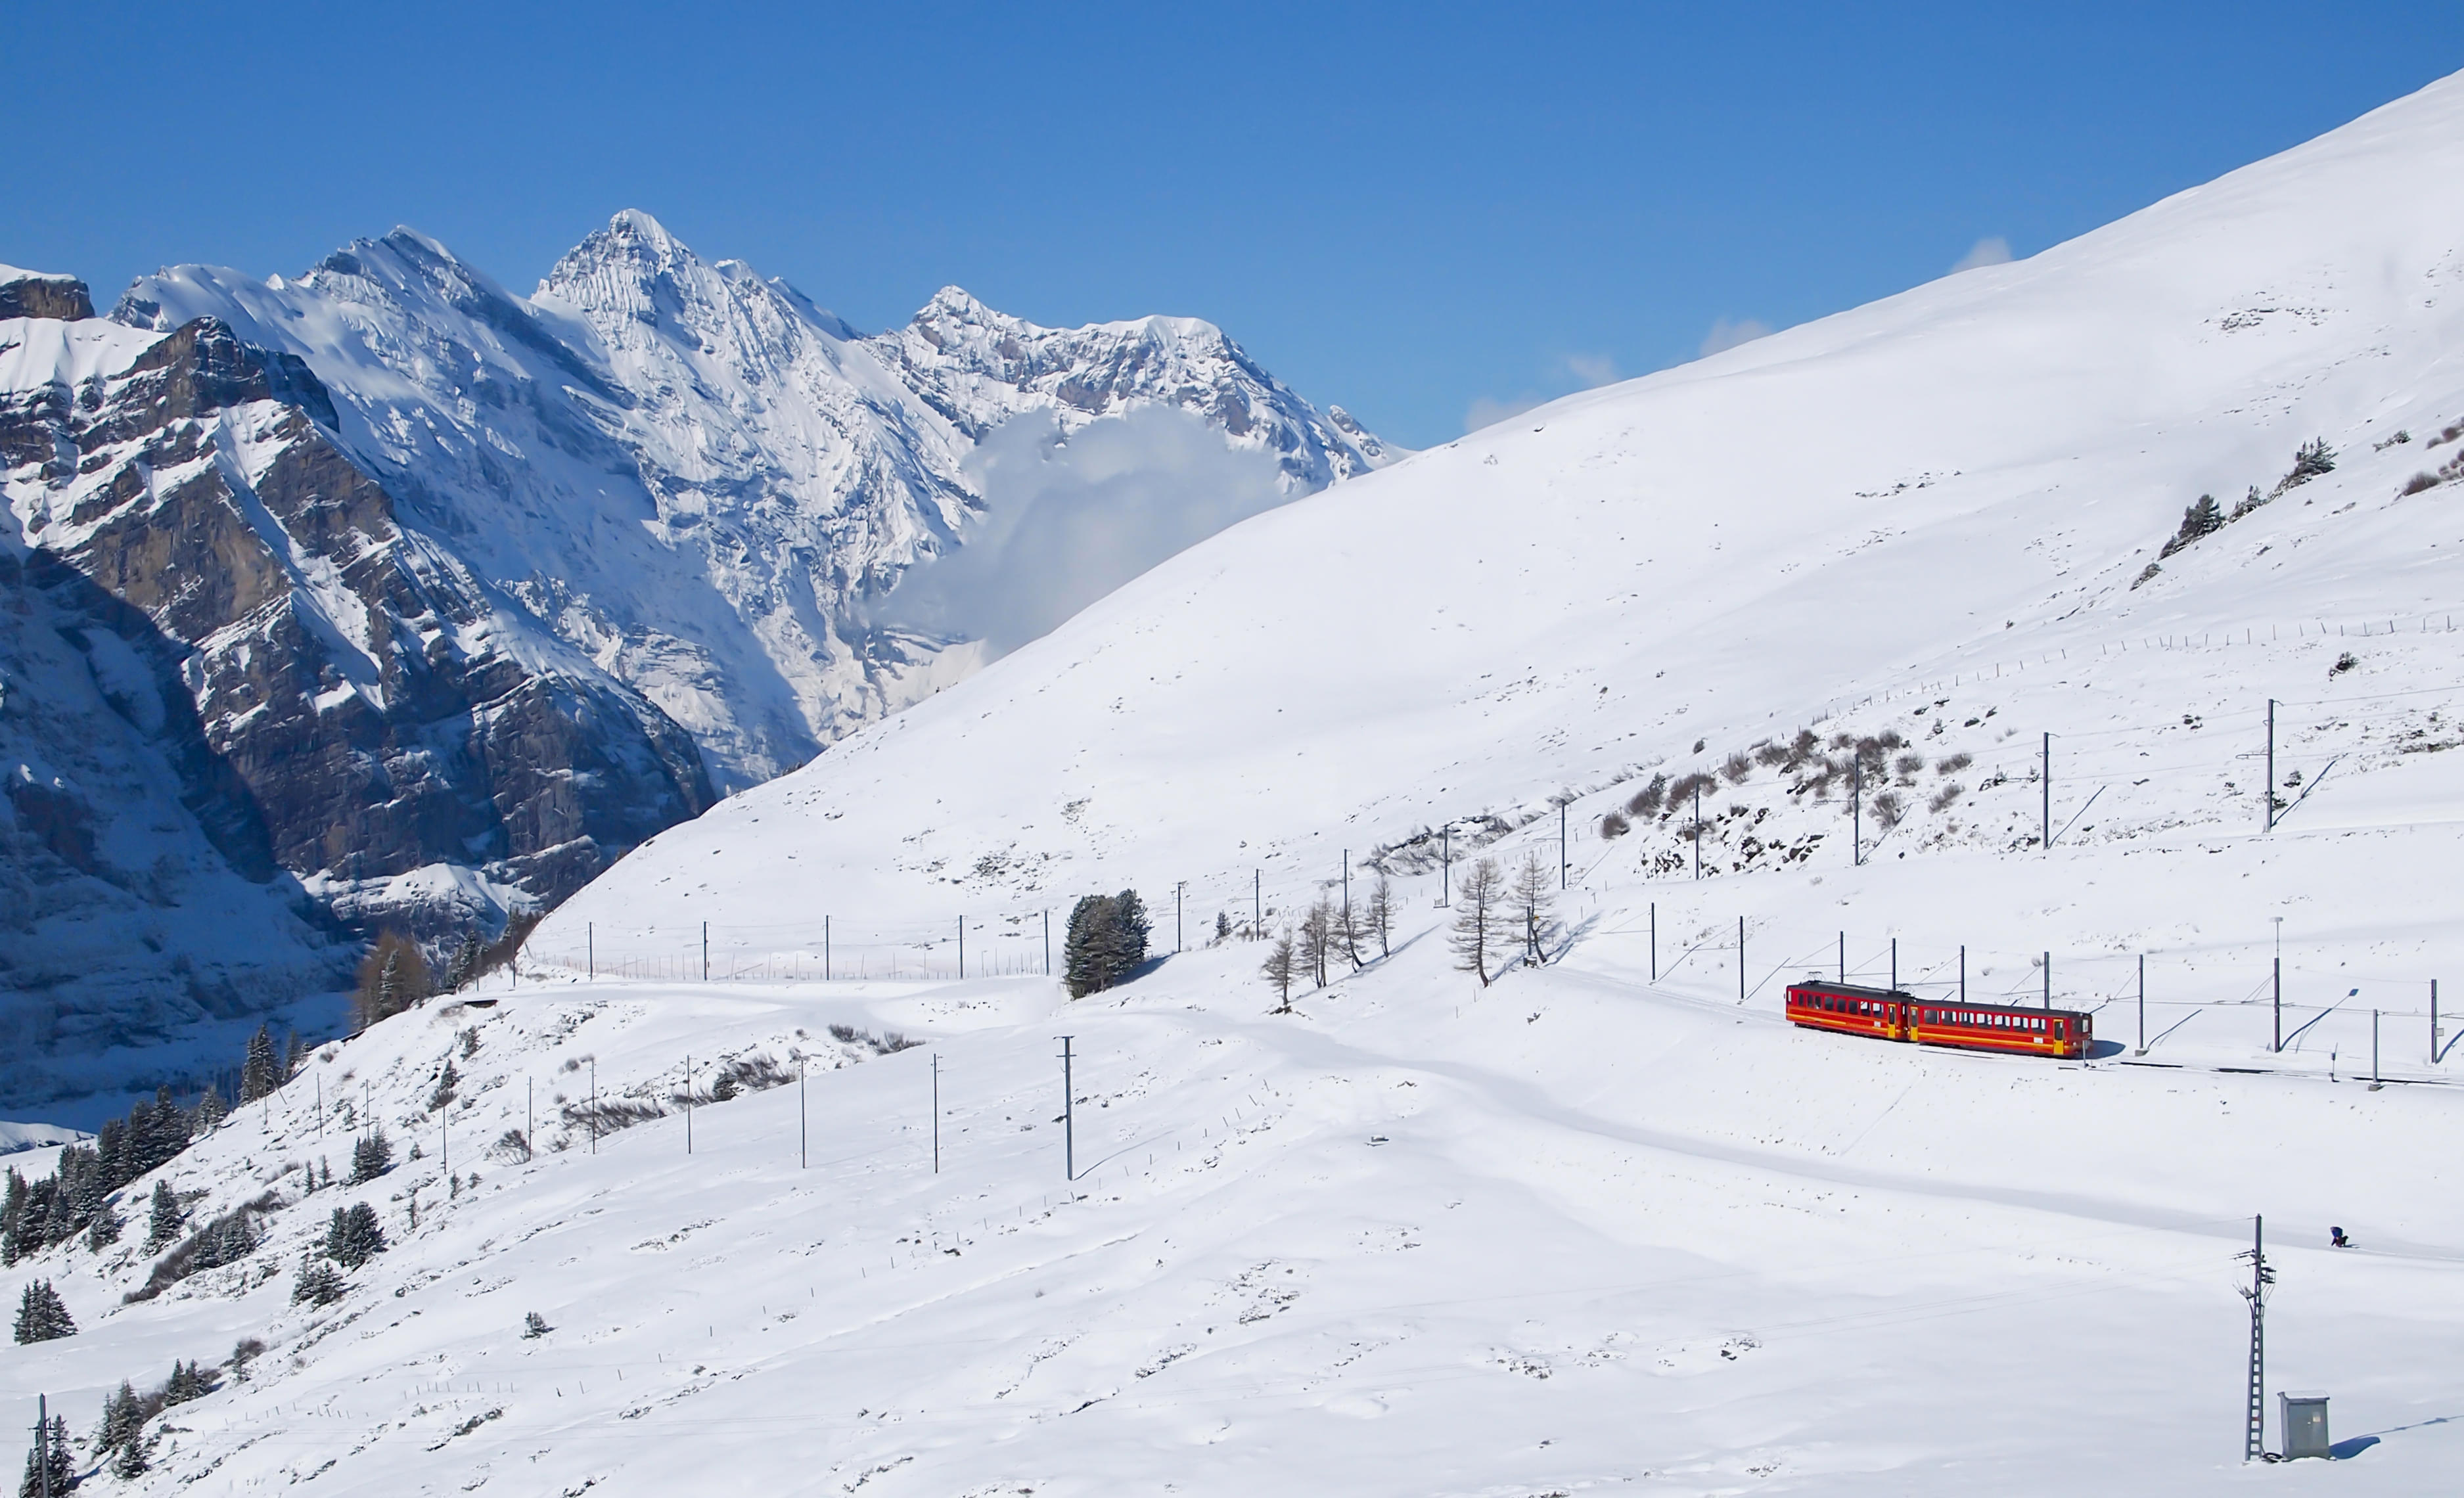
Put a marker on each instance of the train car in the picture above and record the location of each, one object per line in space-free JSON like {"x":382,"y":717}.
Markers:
{"x":1893,"y":1014}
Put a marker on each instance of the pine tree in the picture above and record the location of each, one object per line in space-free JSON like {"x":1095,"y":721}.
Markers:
{"x":191,"y":1380}
{"x":354,"y":1236}
{"x":1530,"y":906}
{"x":124,"y":1419}
{"x":447,"y":1080}
{"x":52,"y":1470}
{"x":42,"y":1315}
{"x":103,"y":1231}
{"x":1476,"y":912}
{"x":209,"y":1110}
{"x":162,"y":1217}
{"x":1106,"y":941}
{"x":466,"y":964}
{"x":318,"y":1283}
{"x":1223,"y":926}
{"x":393,"y":977}
{"x":1084,"y":965}
{"x":371,"y":1157}
{"x":1279,"y":968}
{"x":258,"y":1073}
{"x":1378,"y":915}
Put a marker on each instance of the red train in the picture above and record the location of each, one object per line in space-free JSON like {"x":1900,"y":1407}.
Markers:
{"x":1889,"y":1014}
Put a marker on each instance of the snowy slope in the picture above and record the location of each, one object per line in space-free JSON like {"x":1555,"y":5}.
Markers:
{"x":698,"y":476}
{"x":1608,"y":1222}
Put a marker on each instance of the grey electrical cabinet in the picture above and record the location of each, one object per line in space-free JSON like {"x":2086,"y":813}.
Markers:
{"x":2305,"y":1425}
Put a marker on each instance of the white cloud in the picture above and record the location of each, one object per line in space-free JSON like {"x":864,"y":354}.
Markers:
{"x":1067,"y":520}
{"x":1592,"y":369}
{"x":1993,"y":249}
{"x":1725,"y":335}
{"x":1486,"y":411}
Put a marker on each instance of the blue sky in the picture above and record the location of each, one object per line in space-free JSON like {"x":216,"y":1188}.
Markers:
{"x":1423,"y":214}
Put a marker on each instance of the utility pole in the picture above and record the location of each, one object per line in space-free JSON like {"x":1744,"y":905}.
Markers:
{"x":688,"y":1102}
{"x":2142,"y":1005}
{"x":594,"y":1105}
{"x":2375,"y":1082}
{"x":2048,"y":841}
{"x":530,"y":1115}
{"x":1446,"y":866}
{"x":1843,"y":958}
{"x":1047,"y":943}
{"x":43,"y":1440}
{"x":803,"y":1157}
{"x":1963,"y":971}
{"x":1895,"y":965}
{"x":1698,"y":831}
{"x":1565,"y":850}
{"x":705,"y":952}
{"x":1856,"y":812}
{"x":2049,"y":980}
{"x":1176,"y":892}
{"x":2434,"y":1055}
{"x":1654,"y":975}
{"x":826,"y":949}
{"x":936,"y":1113}
{"x":2434,"y":1021}
{"x":1257,"y":905}
{"x":1741,"y":960}
{"x":2253,"y":1440}
{"x":2277,"y":1046}
{"x":1068,"y":1123}
{"x":590,"y":949}
{"x":1347,"y":889}
{"x":2268,"y":792}
{"x":962,"y":949}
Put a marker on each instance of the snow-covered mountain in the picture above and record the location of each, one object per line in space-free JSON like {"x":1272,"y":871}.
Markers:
{"x":699,"y":477}
{"x":467,"y":593}
{"x":1603,"y":1223}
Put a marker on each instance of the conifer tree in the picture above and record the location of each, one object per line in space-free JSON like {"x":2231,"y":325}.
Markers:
{"x":190,"y":1380}
{"x":41,"y":1316}
{"x":1378,"y":914}
{"x":371,"y":1157}
{"x":1106,"y":941}
{"x":447,"y":1081}
{"x":354,"y":1236}
{"x":1317,"y":937}
{"x":318,"y":1283}
{"x":1223,"y":926}
{"x":1279,"y":968}
{"x":124,"y":1419}
{"x":466,"y":964}
{"x":209,"y":1110}
{"x":257,"y":1075}
{"x":1530,"y":906}
{"x":51,"y":1467}
{"x":1476,"y":917}
{"x":162,"y":1217}
{"x":103,"y":1230}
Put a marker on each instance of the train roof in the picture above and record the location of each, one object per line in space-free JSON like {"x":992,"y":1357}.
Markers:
{"x":1902,"y":995}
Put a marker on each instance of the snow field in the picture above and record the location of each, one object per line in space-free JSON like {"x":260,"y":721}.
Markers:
{"x":1606,"y":1235}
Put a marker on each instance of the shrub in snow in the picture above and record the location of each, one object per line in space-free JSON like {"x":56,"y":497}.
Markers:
{"x":42,"y":1315}
{"x":1647,"y":802}
{"x":2344,"y":663}
{"x":318,"y":1283}
{"x":534,"y":1324}
{"x":1613,"y":826}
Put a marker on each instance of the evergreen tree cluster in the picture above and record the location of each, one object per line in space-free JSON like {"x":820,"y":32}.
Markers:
{"x":371,"y":1157}
{"x":318,"y":1283}
{"x":354,"y":1236}
{"x":42,"y":1315}
{"x":1106,"y":941}
{"x":74,"y":1199}
{"x":122,"y":1435}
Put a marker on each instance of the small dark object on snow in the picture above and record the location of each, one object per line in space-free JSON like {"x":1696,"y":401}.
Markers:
{"x":2336,"y":1238}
